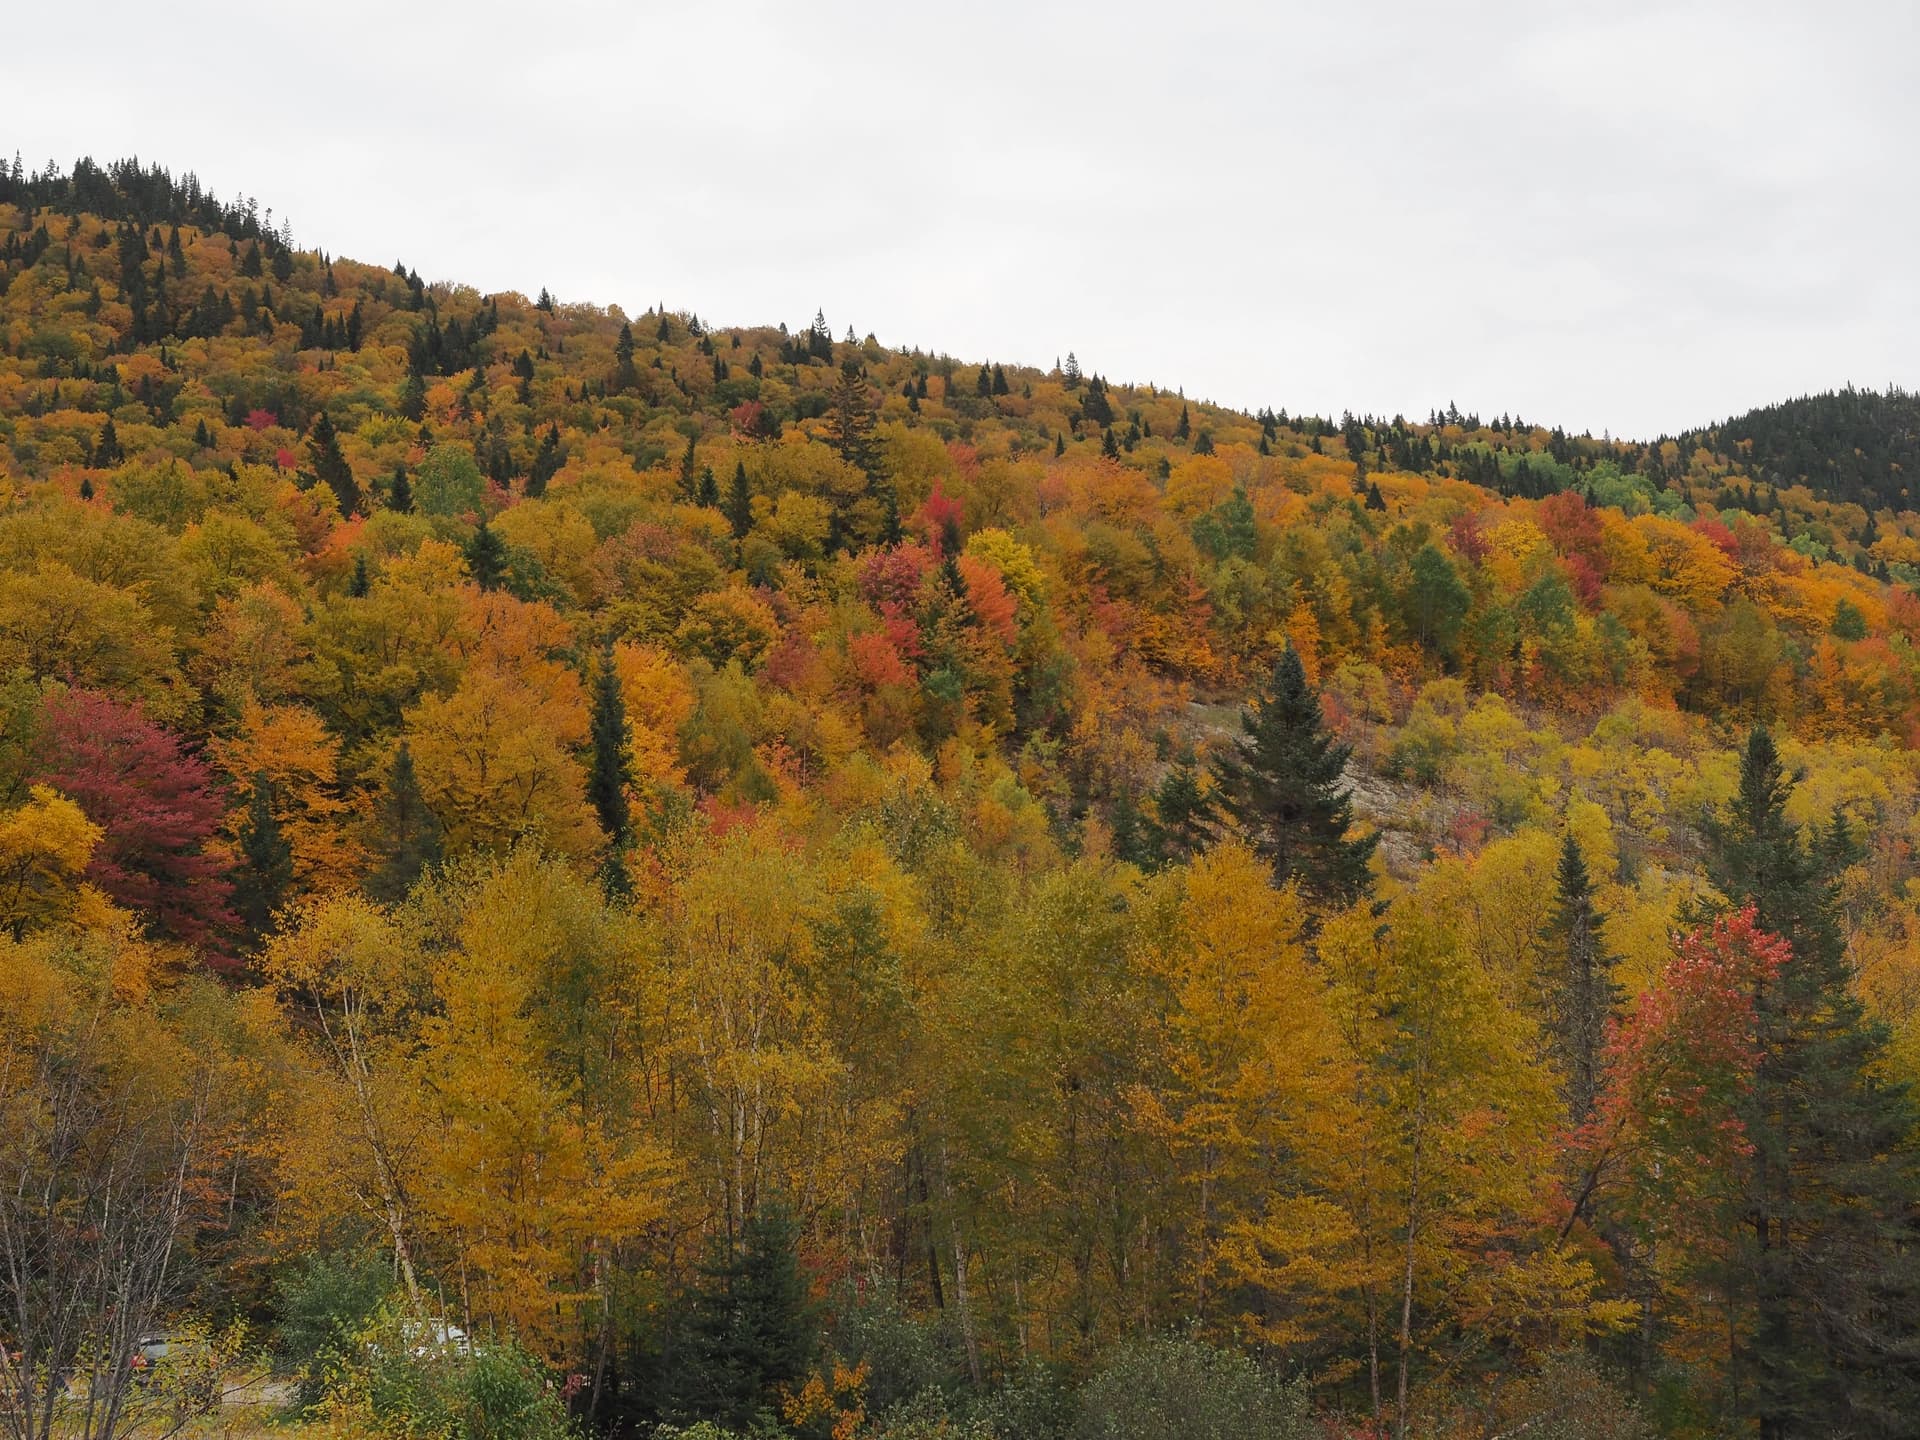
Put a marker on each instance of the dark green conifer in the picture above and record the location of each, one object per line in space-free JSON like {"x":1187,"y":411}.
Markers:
{"x":610,"y":774}
{"x":407,"y":840}
{"x":740,"y":502}
{"x":1183,"y":815}
{"x":486,"y":558}
{"x":746,"y":1331}
{"x":1584,"y":992}
{"x":265,"y":872}
{"x":107,"y":451}
{"x":1821,"y":1277}
{"x":331,"y":466}
{"x":1283,"y":781}
{"x":625,"y":376}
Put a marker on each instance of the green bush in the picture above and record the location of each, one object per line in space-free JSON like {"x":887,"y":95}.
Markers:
{"x":401,"y":1388}
{"x":1154,"y":1388}
{"x":903,"y":1356}
{"x":322,"y":1307}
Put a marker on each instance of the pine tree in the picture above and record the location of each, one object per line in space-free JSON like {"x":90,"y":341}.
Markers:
{"x":331,"y":466}
{"x":1282,"y":781}
{"x":400,"y":492}
{"x":853,"y":420}
{"x":607,"y":781}
{"x":486,"y":558}
{"x":740,"y":502}
{"x":408,"y":835}
{"x":359,"y":584}
{"x":107,"y":451}
{"x":708,"y":496}
{"x":688,"y":460}
{"x":1585,"y":995}
{"x":1184,"y":427}
{"x":625,"y":376}
{"x":1824,"y":1276}
{"x":1183,"y":816}
{"x":546,"y":463}
{"x":747,"y":1329}
{"x":1132,"y":840}
{"x":265,"y":872}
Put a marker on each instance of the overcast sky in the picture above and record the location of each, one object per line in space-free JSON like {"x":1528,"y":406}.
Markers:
{"x":1620,"y":216}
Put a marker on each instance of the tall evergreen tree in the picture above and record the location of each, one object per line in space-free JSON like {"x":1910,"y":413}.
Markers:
{"x":747,"y":1329}
{"x":853,"y":419}
{"x":625,"y":376}
{"x":331,"y":466}
{"x":400,"y":491}
{"x":486,"y":558}
{"x":265,"y":872}
{"x":740,"y":502}
{"x":107,"y":452}
{"x":546,"y":463}
{"x":1183,"y":815}
{"x":408,"y":834}
{"x":1585,"y":993}
{"x":1823,"y":1277}
{"x":607,"y":782}
{"x":1282,"y":781}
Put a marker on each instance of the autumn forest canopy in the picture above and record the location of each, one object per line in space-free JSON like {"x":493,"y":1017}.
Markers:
{"x":790,"y":886}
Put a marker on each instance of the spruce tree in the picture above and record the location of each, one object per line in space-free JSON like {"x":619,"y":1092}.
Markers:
{"x":407,"y":834}
{"x":331,"y":466}
{"x":1132,"y":839}
{"x":740,"y":502}
{"x":546,"y":463}
{"x":486,"y":558}
{"x":107,"y":451}
{"x":747,"y":1330}
{"x":853,"y":420}
{"x":400,"y":491}
{"x":1183,"y":815}
{"x":265,"y":872}
{"x":607,"y":782}
{"x":1282,"y":781}
{"x":1584,"y":993}
{"x":1822,"y":1274}
{"x":625,"y":376}
{"x":359,"y":583}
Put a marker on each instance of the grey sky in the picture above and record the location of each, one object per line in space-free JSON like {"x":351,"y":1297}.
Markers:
{"x":1612,"y":216}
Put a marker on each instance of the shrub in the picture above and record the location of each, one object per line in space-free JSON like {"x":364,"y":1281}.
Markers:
{"x":1163,"y":1386}
{"x":322,"y":1307}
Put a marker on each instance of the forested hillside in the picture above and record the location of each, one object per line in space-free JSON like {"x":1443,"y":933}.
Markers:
{"x":800,"y":883}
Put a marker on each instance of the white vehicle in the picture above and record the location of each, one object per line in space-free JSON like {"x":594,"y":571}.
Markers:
{"x":435,"y":1335}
